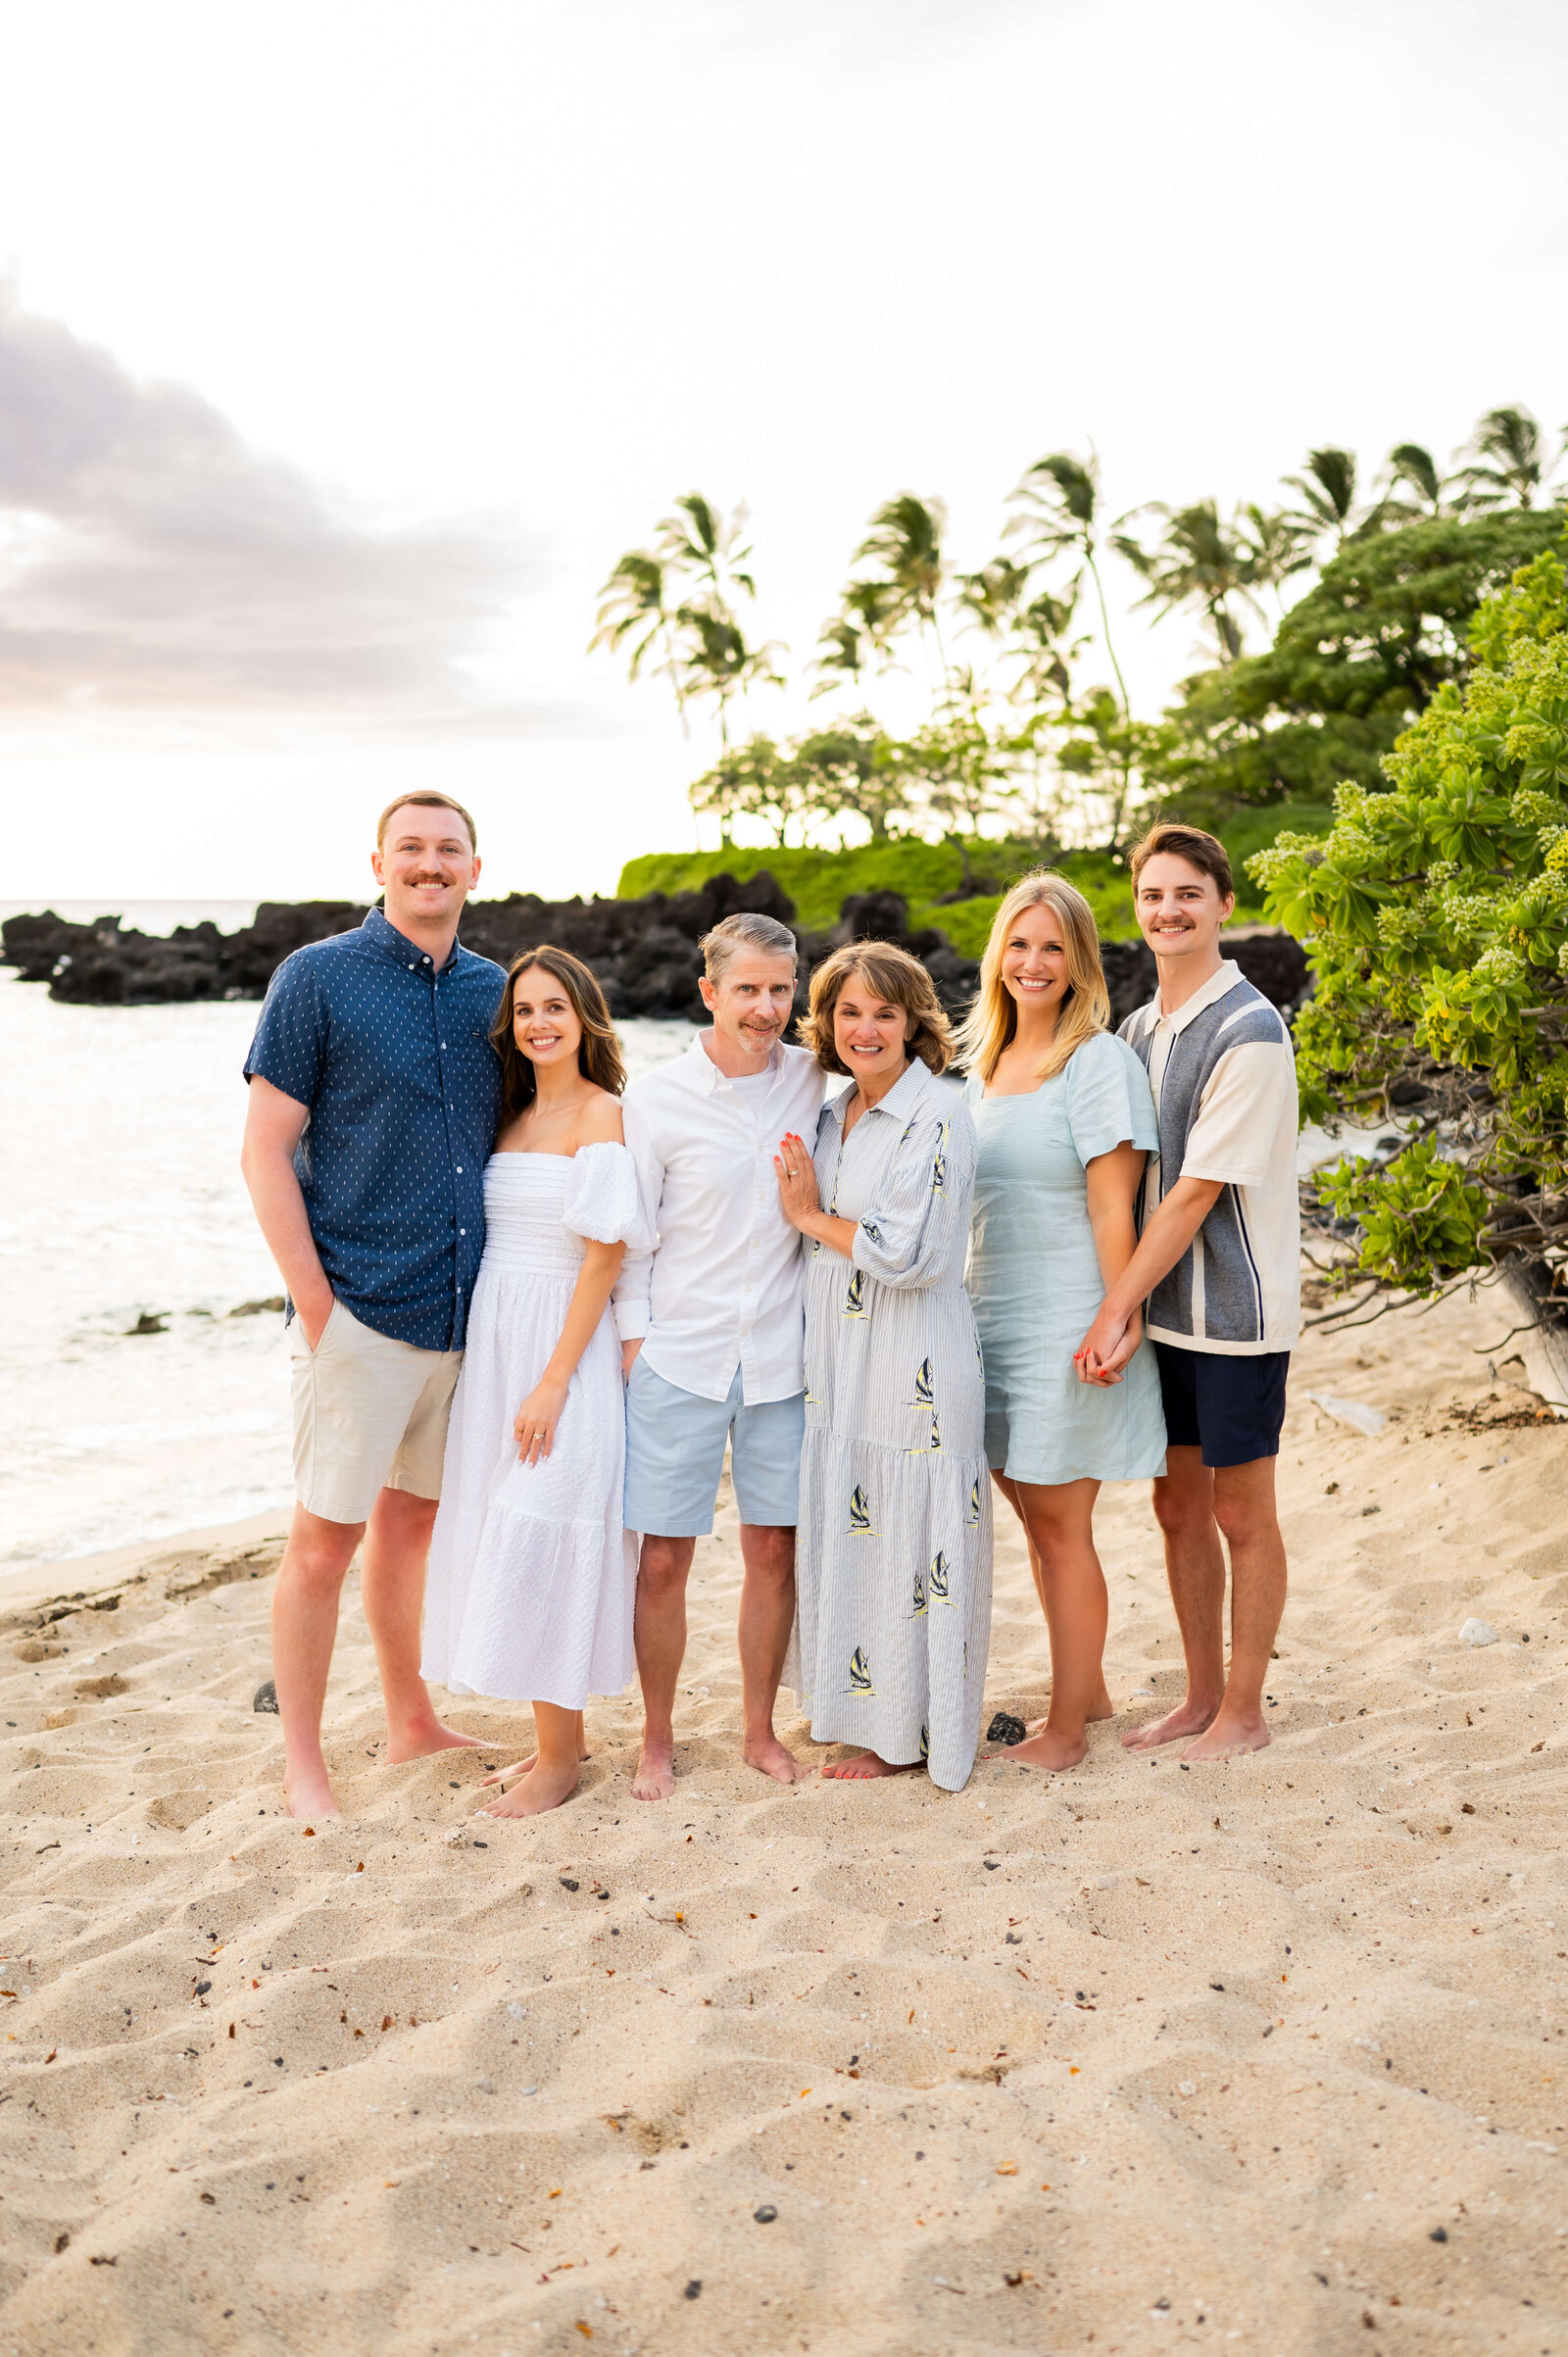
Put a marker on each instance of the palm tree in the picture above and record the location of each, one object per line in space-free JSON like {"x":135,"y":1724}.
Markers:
{"x":905,"y":541}
{"x":1414,"y":486}
{"x":1275,"y":545}
{"x":1506,"y":460}
{"x":715,"y":661}
{"x":1042,"y":649}
{"x":863,"y":628}
{"x":633,"y":606}
{"x":1199,"y":561}
{"x":1057,"y":503}
{"x":991,"y":597}
{"x":1328,"y":495}
{"x":697,"y":545}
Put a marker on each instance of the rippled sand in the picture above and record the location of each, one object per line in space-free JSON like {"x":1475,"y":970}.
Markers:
{"x":1269,"y":2054}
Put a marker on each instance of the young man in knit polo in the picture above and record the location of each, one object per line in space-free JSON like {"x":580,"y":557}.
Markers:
{"x":1217,"y":1272}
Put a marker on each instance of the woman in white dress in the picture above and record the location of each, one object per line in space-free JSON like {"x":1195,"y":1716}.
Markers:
{"x":532,"y":1576}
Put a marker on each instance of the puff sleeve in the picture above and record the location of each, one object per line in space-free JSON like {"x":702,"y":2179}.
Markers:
{"x":603,"y":1203}
{"x":1109,"y":1100}
{"x":920,"y":1222}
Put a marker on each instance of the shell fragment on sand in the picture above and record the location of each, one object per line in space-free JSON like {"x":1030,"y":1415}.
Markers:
{"x":1478,"y":1632}
{"x":1361,"y":1418}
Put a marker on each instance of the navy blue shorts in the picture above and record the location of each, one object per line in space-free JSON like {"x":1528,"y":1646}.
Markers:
{"x":1230,"y":1407}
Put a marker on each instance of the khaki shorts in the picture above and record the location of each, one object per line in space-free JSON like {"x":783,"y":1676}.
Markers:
{"x":369,"y":1414}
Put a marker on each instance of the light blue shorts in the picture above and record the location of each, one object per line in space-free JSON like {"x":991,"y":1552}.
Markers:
{"x":675,"y":1455}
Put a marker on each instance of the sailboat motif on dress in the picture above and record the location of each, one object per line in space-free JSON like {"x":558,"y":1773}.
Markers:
{"x":937,"y":1579}
{"x":932,"y":1446}
{"x":972,"y":1517}
{"x":925,"y":1742}
{"x":923,"y":1395}
{"x":921,"y":1600}
{"x":861,"y":1673}
{"x":939,"y":1168}
{"x":855,"y":1298}
{"x":860,"y":1515}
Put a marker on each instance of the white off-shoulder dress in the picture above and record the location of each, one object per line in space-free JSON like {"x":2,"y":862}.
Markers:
{"x":532,"y":1576}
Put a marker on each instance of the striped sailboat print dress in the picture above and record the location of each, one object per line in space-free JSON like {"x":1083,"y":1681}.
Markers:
{"x":893,"y":1575}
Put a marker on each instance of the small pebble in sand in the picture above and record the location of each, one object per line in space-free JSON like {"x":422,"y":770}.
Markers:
{"x":266,"y":1699}
{"x":1005,"y":1729}
{"x":1478,"y":1632}
{"x":765,"y":2215}
{"x":484,"y":2086}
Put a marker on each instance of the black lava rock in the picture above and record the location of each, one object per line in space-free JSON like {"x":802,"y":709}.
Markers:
{"x":266,"y":1699}
{"x":1005,"y":1729}
{"x":643,"y":951}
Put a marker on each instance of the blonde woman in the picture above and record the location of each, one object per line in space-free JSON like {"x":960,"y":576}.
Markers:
{"x":1066,"y":1122}
{"x":892,"y":1576}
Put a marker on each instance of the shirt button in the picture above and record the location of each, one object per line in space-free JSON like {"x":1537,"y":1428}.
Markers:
{"x":460,"y":1170}
{"x":462,"y":1231}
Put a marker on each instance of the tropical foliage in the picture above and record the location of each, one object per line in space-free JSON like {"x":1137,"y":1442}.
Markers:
{"x":1363,"y":590}
{"x":1437,"y":915}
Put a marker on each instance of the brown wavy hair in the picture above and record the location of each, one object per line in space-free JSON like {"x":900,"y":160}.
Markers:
{"x":599,"y":1058}
{"x":894,"y":976}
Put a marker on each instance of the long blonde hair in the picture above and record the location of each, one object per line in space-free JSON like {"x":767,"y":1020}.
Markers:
{"x":1085,"y":1005}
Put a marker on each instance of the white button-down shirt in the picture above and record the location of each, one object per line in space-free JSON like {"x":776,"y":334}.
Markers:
{"x":724,"y":1285}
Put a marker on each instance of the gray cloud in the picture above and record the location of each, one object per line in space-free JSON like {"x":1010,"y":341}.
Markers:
{"x":152,"y":561}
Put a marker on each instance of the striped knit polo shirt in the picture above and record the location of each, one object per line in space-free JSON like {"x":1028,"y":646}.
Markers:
{"x":1223,"y":1074}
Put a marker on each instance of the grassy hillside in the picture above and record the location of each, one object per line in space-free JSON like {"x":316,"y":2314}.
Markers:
{"x":820,"y":881}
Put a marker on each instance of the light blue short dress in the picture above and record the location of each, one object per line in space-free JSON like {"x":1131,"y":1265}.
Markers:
{"x":1034,"y":1279}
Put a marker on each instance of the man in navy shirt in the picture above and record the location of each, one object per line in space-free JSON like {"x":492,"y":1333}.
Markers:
{"x":373,"y":1097}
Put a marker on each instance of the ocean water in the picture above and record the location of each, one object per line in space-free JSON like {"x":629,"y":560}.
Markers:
{"x":121,"y":1197}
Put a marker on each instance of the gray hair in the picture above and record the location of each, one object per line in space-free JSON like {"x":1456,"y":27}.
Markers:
{"x":745,"y":931}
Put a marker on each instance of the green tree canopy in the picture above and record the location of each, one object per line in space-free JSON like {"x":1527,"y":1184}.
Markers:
{"x":1353,"y":662}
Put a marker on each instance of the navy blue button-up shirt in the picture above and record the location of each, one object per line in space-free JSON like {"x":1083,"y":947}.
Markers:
{"x":394,"y":1062}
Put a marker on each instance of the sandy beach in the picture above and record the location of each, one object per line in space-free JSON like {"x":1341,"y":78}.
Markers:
{"x":1268,"y":2056}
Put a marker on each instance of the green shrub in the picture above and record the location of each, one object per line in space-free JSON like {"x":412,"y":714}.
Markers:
{"x":1436,"y":918}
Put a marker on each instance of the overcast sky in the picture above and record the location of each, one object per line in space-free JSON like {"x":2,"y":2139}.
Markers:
{"x":345,"y":348}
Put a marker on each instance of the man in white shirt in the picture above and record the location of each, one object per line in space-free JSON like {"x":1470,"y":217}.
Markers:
{"x":1217,"y":1271}
{"x":713,"y":1330}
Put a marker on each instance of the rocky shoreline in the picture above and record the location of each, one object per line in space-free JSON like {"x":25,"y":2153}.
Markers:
{"x":643,"y":950}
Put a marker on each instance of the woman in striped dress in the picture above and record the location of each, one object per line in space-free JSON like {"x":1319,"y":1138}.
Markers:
{"x":893,"y":1569}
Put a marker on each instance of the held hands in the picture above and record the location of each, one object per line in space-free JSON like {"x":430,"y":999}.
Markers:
{"x":534,"y":1426}
{"x":1106,"y":1347}
{"x":796,"y":1181}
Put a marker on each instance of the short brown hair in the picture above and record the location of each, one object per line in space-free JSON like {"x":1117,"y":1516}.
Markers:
{"x":598,"y":1051}
{"x":894,"y":976}
{"x":428,"y":800}
{"x":1206,"y":853}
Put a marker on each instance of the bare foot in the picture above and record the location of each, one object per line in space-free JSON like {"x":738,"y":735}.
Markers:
{"x":1228,"y":1736}
{"x":772,"y":1758}
{"x":862,"y":1766}
{"x":307,"y":1793}
{"x":1049,"y":1750}
{"x":654,"y":1778}
{"x":1188,"y":1718}
{"x":525,"y":1767}
{"x":545,"y":1789}
{"x":423,"y":1741}
{"x":1102,"y":1707}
